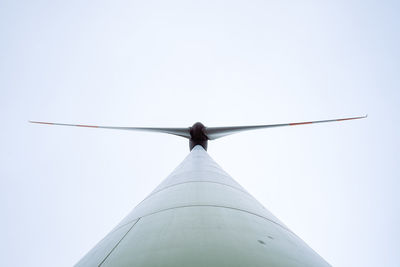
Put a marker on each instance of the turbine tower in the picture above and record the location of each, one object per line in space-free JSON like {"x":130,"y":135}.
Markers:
{"x":200,"y":216}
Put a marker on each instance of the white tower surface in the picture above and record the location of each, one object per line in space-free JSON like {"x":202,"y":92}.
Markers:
{"x":200,"y":216}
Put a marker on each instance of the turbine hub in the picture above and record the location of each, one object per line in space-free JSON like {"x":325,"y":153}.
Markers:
{"x":198,"y":136}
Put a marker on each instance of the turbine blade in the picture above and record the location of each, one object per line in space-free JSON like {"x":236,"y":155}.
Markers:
{"x":218,"y":132}
{"x":183,"y":132}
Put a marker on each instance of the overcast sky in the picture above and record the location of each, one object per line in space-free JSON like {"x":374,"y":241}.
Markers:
{"x":172,"y":63}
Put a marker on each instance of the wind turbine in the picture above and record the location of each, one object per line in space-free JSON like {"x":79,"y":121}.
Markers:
{"x":200,"y":216}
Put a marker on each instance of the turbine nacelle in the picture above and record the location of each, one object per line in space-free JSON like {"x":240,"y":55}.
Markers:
{"x":198,"y":136}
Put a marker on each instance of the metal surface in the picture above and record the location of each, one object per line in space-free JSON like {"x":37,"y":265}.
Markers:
{"x":200,"y":216}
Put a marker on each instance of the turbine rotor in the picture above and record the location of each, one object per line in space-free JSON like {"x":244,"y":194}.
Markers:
{"x":198,"y":134}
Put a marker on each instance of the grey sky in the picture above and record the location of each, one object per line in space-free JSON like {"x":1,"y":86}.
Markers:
{"x":172,"y":63}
